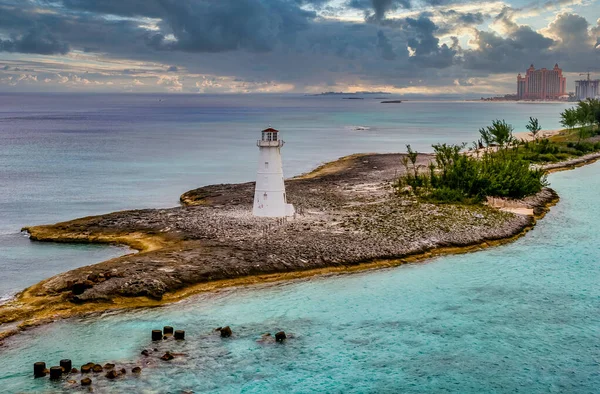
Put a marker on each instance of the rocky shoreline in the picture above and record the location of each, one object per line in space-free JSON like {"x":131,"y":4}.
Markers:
{"x":350,"y":219}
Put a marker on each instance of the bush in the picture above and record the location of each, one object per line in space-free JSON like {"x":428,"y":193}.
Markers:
{"x":446,"y":195}
{"x":584,"y":147}
{"x":461,"y":178}
{"x":562,"y":156}
{"x":547,"y":157}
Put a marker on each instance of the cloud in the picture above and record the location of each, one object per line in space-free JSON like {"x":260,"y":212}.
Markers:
{"x":379,"y":7}
{"x":143,"y":8}
{"x":35,"y":41}
{"x":518,"y":48}
{"x":226,"y":25}
{"x":569,"y":31}
{"x":172,"y":83}
{"x":384,"y":45}
{"x":269,"y":45}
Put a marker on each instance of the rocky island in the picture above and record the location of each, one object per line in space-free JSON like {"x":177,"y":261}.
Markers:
{"x":349,"y":218}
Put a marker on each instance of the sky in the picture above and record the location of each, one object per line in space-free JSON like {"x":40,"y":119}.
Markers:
{"x":422,"y":47}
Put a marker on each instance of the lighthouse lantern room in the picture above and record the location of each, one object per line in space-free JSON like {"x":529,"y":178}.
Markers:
{"x":269,"y":193}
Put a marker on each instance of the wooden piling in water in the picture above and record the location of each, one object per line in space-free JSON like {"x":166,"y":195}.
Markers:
{"x":180,"y":335}
{"x":39,"y":369}
{"x":66,"y":365}
{"x":156,"y":335}
{"x":55,"y":373}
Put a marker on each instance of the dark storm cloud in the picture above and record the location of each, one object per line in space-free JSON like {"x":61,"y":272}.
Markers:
{"x":32,"y":31}
{"x":147,"y":8}
{"x":506,"y":54}
{"x":379,"y":7}
{"x":384,"y":45}
{"x":420,"y":35}
{"x":463,"y":18}
{"x":287,"y":41}
{"x":37,"y":41}
{"x":376,"y":10}
{"x":207,"y":26}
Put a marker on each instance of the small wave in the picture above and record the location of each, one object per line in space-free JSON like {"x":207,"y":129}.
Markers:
{"x":4,"y":298}
{"x":359,"y":128}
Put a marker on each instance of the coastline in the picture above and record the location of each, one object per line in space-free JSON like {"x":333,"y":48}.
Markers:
{"x":48,"y":301}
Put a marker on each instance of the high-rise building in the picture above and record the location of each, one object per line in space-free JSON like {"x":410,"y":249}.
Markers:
{"x":587,"y":88}
{"x":542,"y":84}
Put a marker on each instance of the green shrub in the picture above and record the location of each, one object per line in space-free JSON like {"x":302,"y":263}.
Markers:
{"x":584,"y":147}
{"x":446,"y":195}
{"x":461,"y":178}
{"x":562,"y":156}
{"x":548,"y":157}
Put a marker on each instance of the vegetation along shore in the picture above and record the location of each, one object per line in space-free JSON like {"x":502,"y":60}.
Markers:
{"x":362,"y":211}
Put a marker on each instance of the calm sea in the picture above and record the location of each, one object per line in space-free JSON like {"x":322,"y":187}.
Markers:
{"x":523,"y":317}
{"x":519,"y":318}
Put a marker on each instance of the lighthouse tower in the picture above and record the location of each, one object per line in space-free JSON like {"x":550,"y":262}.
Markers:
{"x":269,"y":194}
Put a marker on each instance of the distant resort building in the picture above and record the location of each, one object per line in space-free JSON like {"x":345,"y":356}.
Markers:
{"x":587,"y":88}
{"x":542,"y":84}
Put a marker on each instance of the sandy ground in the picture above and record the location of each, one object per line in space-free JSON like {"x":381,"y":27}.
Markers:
{"x":526,"y":136}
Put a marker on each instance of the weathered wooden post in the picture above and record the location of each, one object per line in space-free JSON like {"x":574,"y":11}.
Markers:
{"x":180,"y":335}
{"x":156,"y":335}
{"x":66,"y":365}
{"x":39,"y":369}
{"x":55,"y":373}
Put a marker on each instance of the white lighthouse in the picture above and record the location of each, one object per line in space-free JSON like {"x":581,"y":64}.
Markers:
{"x":269,"y":194}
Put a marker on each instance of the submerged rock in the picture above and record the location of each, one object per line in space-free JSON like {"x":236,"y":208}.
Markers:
{"x":225,"y":332}
{"x":167,"y":356}
{"x":280,"y":336}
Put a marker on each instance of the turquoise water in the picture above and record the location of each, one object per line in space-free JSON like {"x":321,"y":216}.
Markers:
{"x":65,"y":156}
{"x":523,"y":317}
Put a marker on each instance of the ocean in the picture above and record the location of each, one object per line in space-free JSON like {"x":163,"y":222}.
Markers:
{"x":521,"y":317}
